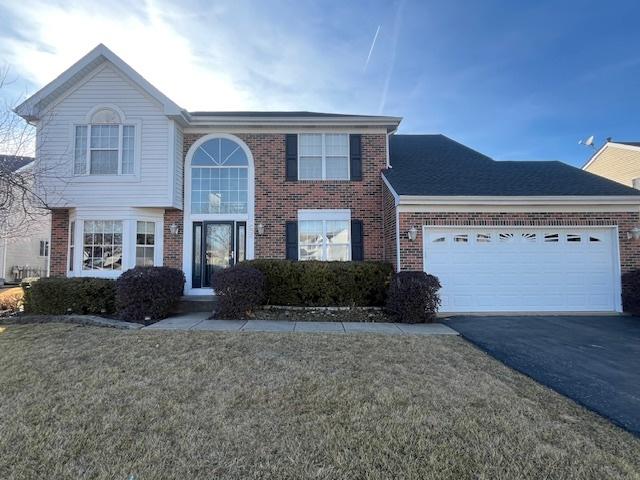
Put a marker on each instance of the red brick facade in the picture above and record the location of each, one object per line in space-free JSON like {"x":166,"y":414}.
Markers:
{"x":172,"y":243}
{"x":278,"y":200}
{"x":59,"y":242}
{"x":411,"y":252}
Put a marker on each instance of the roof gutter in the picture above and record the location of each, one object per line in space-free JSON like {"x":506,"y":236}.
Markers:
{"x":521,"y":200}
{"x":390,"y":123}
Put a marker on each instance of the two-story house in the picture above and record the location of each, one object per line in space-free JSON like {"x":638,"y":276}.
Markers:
{"x":136,"y":180}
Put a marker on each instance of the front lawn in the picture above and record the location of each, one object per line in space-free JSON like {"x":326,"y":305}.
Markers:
{"x":89,"y":403}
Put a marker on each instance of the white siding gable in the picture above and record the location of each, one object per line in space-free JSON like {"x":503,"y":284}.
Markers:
{"x":179,"y":166}
{"x":154,"y":183}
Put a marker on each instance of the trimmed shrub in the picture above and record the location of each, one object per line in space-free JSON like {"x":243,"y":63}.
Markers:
{"x":324,"y":284}
{"x":146,"y":294}
{"x":413,"y":297}
{"x":631,"y":292}
{"x":59,"y":296}
{"x":239,"y":290}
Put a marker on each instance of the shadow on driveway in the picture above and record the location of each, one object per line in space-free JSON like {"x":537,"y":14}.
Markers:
{"x":594,"y":360}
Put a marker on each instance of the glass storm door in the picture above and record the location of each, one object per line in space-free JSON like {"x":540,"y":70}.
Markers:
{"x":214,"y":247}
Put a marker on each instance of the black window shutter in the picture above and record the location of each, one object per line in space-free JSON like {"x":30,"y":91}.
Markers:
{"x":355,"y":156}
{"x":357,"y":243}
{"x":292,"y":240}
{"x":292,"y":156}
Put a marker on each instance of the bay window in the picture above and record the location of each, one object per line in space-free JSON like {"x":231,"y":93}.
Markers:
{"x":102,"y":245}
{"x":323,"y":156}
{"x":145,"y":243}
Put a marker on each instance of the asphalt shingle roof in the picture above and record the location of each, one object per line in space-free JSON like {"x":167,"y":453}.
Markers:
{"x":435,"y":165}
{"x":11,"y":163}
{"x":276,"y":114}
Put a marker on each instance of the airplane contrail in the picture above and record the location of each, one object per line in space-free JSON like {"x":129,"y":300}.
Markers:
{"x":373,"y":44}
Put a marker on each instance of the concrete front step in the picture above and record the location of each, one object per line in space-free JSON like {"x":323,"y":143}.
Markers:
{"x":196,"y":303}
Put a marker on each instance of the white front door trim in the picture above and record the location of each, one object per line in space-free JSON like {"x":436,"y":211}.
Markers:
{"x":189,"y":218}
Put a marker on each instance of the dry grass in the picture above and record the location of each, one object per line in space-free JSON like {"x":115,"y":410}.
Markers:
{"x":11,"y":298}
{"x":83,"y":402}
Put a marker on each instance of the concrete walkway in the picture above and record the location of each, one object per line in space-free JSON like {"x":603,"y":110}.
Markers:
{"x":198,"y":321}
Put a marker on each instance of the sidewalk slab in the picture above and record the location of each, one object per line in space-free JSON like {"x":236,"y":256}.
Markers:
{"x":219,"y":325}
{"x":268,"y":326}
{"x":319,"y":327}
{"x":371,"y":327}
{"x":179,"y":322}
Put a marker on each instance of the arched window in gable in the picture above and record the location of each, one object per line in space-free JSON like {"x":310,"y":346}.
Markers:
{"x":104,"y":146}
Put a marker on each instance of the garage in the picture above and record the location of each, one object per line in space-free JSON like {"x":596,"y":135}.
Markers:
{"x":506,"y":269}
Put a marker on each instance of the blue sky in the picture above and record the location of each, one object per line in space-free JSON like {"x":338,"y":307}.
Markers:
{"x":515,"y":80}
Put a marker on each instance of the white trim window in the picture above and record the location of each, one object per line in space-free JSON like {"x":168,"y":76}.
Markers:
{"x":106,"y":146}
{"x":102,"y":245}
{"x":219,"y":178}
{"x":323,"y":156}
{"x":324,"y":235}
{"x":44,"y":248}
{"x":145,"y":243}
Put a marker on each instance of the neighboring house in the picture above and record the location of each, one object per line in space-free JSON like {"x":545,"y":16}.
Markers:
{"x":143,"y":182}
{"x":24,"y":247}
{"x":617,"y":161}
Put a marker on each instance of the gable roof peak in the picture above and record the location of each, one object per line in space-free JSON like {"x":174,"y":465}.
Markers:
{"x":32,"y":108}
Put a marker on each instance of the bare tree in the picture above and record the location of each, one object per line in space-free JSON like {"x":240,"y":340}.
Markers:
{"x":22,"y":204}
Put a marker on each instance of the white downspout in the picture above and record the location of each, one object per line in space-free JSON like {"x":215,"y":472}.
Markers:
{"x":388,"y":156}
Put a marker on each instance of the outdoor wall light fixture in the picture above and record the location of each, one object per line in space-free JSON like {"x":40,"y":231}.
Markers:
{"x":260,"y":228}
{"x":174,"y":229}
{"x":412,"y":234}
{"x":634,"y":234}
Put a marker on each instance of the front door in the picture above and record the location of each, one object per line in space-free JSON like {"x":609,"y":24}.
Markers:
{"x":215,"y":247}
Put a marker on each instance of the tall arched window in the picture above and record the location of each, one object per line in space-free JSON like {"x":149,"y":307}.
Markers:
{"x":219,"y":170}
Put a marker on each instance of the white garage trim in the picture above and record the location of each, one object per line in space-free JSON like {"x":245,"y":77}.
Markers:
{"x":584,"y":267}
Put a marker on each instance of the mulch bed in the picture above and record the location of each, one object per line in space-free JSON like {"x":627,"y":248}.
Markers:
{"x":330,"y":314}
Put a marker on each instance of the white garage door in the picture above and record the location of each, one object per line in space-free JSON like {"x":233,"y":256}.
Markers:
{"x":524,"y":269}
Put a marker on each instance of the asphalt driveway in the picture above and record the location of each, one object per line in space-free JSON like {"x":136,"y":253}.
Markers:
{"x":594,"y":360}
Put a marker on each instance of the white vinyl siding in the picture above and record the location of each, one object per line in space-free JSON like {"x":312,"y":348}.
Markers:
{"x":152,"y":182}
{"x":179,"y":166}
{"x":323,"y":156}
